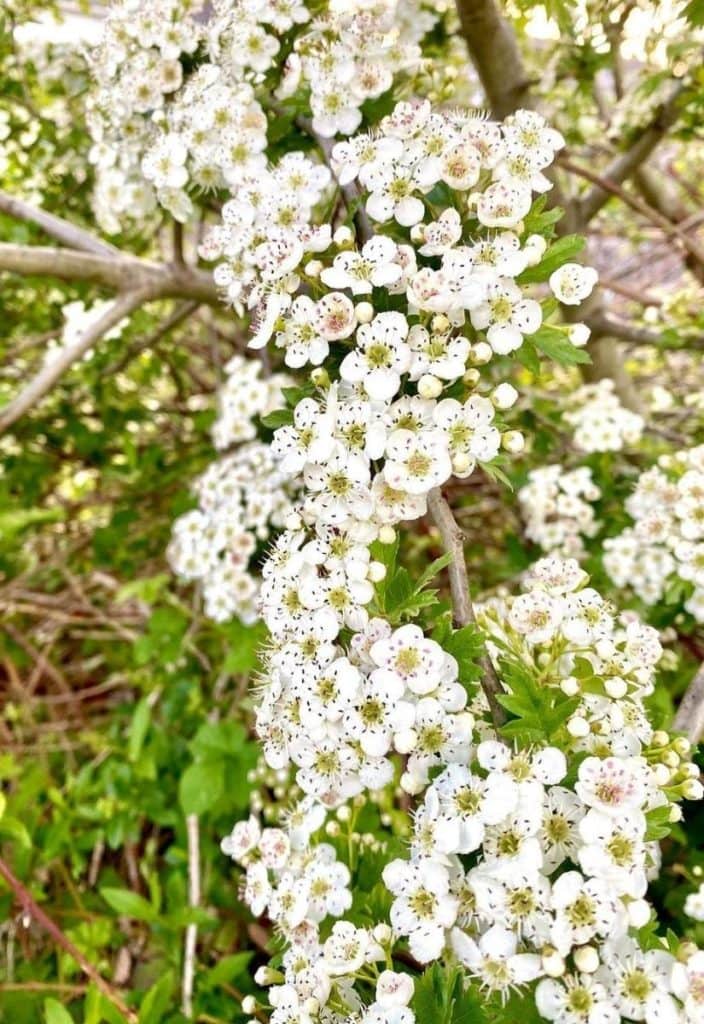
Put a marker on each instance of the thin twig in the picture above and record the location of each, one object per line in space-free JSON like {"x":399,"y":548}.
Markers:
{"x":32,"y":908}
{"x":56,"y":227}
{"x":462,"y":609}
{"x":69,"y":354}
{"x":191,"y":938}
{"x":690,"y":714}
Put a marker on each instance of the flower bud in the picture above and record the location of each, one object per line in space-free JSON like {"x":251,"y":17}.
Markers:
{"x":343,"y":236}
{"x":570,"y":686}
{"x":429,"y":386}
{"x":513,"y":441}
{"x":461,"y":463}
{"x":682,"y":745}
{"x":586,"y":959}
{"x":320,"y":377}
{"x":471,"y":377}
{"x":249,"y":1004}
{"x":675,"y":814}
{"x":660,"y":738}
{"x":481,"y":353}
{"x":376,"y":572}
{"x":343,"y":813}
{"x":293,"y":521}
{"x":692,"y":789}
{"x":615,"y":688}
{"x":313,"y":268}
{"x":387,"y":535}
{"x":578,"y":334}
{"x":311,"y":1005}
{"x":534,"y":248}
{"x":364,"y":311}
{"x":332,"y":829}
{"x":504,"y":396}
{"x":638,"y":913}
{"x":440,"y":324}
{"x":578,"y":727}
{"x":553,"y":964}
{"x":265,"y":976}
{"x":382,"y":934}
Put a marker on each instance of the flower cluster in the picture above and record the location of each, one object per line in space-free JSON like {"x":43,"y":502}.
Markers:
{"x":243,"y":399}
{"x":241,"y":498}
{"x":601,"y":423}
{"x":182,"y":92}
{"x":556,"y":511}
{"x":665,"y":546}
{"x":77,"y":320}
{"x":528,"y":872}
{"x":372,"y":445}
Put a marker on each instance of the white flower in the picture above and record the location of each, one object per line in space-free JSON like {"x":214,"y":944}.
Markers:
{"x":612,"y":785}
{"x":423,"y":908}
{"x":419,"y":663}
{"x":373,"y":267}
{"x":494,"y":960}
{"x":572,"y":283}
{"x":506,"y":315}
{"x":242,"y":840}
{"x":575,"y":999}
{"x":584,"y":909}
{"x":381,"y":356}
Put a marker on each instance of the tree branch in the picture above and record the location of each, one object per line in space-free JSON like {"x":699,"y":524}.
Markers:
{"x":56,"y":227}
{"x":50,"y":373}
{"x":627,"y":163}
{"x":494,"y":51}
{"x":191,"y":939}
{"x":690,"y":714}
{"x":119,"y":271}
{"x":462,"y":610}
{"x":32,"y":908}
{"x":639,"y":205}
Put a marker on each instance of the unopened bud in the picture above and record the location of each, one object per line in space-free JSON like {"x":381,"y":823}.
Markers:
{"x":440,"y":323}
{"x":578,"y":334}
{"x":364,"y":311}
{"x":587,"y":959}
{"x":616,"y":688}
{"x":504,"y":396}
{"x":481,"y":353}
{"x":249,"y":1004}
{"x":387,"y":535}
{"x":320,"y":377}
{"x":513,"y":441}
{"x":553,"y":964}
{"x":578,"y":727}
{"x":343,"y":236}
{"x":376,"y":572}
{"x":313,"y":268}
{"x":382,"y":934}
{"x":429,"y":386}
{"x":638,"y":913}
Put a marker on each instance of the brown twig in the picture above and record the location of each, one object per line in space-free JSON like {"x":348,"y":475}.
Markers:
{"x":462,"y":609}
{"x":32,"y":908}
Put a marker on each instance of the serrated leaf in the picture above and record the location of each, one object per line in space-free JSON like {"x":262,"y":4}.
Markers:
{"x":562,"y":251}
{"x":555,"y":344}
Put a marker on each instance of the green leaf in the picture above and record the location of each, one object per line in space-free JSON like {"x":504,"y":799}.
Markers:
{"x":129,"y":904}
{"x":658,"y":824}
{"x":14,"y":829}
{"x":277,"y":418}
{"x":694,"y":13}
{"x":555,"y":344}
{"x":433,"y":569}
{"x":227,"y":969}
{"x":564,"y":250}
{"x":138,"y":728}
{"x":56,"y":1013}
{"x":201,"y":786}
{"x":466,"y":646}
{"x":156,"y":1002}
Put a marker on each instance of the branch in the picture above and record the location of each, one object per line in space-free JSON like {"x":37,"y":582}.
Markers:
{"x":690,"y":714}
{"x":49,"y":374}
{"x":119,"y":271}
{"x":58,"y":228}
{"x":463,"y":612}
{"x":31,"y":907}
{"x":639,"y":205}
{"x":189,"y":949}
{"x":494,"y":51}
{"x":625,"y":165}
